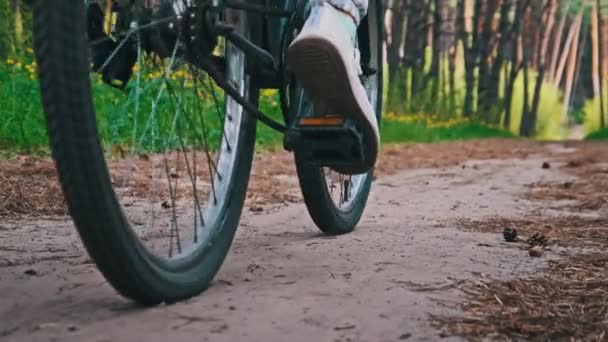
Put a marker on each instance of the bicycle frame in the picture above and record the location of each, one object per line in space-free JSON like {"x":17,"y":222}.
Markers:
{"x":264,"y":50}
{"x":266,"y":47}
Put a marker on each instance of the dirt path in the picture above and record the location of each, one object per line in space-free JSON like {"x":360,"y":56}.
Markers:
{"x":282,"y":280}
{"x":577,"y":133}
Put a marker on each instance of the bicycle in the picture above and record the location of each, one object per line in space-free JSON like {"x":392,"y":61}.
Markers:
{"x":166,"y":149}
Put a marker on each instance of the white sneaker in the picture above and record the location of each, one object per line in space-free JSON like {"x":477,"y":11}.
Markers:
{"x":325,"y":61}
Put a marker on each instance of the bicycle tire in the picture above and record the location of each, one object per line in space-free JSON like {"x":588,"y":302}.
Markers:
{"x":121,"y":257}
{"x":330,"y":218}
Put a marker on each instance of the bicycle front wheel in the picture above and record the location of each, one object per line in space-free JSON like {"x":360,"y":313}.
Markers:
{"x":154,"y":165}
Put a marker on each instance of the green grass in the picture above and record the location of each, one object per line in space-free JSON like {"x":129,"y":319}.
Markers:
{"x":23,"y":128}
{"x":591,"y":115}
{"x":267,"y":138}
{"x":120,"y":121}
{"x":396,"y":132}
{"x":598,"y":135}
{"x":22,"y":124}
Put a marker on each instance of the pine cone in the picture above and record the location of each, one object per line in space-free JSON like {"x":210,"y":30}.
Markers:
{"x":538,"y":239}
{"x":536,"y":251}
{"x":510,"y":234}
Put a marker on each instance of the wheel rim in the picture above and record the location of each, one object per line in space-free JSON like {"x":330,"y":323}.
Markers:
{"x":173,"y":174}
{"x":343,"y":189}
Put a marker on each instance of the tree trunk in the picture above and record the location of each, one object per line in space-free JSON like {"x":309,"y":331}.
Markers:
{"x":579,"y":60}
{"x":395,"y":37}
{"x":470,"y":52}
{"x":452,"y":79}
{"x":453,"y":52}
{"x":418,"y":16}
{"x":510,"y":87}
{"x":572,"y":63}
{"x":484,"y":103}
{"x":529,"y":119}
{"x":600,"y":64}
{"x":502,"y":52}
{"x":443,"y":111}
{"x":516,"y":58}
{"x":437,"y":22}
{"x":4,"y":28}
{"x":18,"y":25}
{"x":557,"y":44}
{"x":506,"y":119}
{"x":604,"y":44}
{"x":572,"y":40}
{"x":434,"y":72}
{"x":547,"y":29}
{"x":595,"y":69}
{"x":525,"y":126}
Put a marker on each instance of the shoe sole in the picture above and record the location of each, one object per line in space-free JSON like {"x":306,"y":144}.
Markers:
{"x":319,"y":68}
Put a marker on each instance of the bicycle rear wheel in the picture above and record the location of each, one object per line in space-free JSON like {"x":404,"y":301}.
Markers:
{"x":154,"y":175}
{"x":336,"y":201}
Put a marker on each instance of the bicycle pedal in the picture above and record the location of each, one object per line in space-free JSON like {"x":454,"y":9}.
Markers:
{"x":329,"y":141}
{"x":321,"y":121}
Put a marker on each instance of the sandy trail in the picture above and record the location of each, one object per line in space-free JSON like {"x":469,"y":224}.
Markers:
{"x":284,"y":281}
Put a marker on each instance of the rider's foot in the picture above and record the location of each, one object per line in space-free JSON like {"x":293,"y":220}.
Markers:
{"x":325,"y":59}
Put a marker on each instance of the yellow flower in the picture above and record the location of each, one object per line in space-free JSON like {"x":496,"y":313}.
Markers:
{"x":19,"y":65}
{"x":30,"y":50}
{"x":10,"y":61}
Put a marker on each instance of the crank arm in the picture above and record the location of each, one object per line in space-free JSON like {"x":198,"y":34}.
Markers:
{"x":250,"y":49}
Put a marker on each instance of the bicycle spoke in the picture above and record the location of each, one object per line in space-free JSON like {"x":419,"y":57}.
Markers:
{"x":192,"y":176}
{"x":347,"y":185}
{"x":179,"y":107}
{"x":341,"y":184}
{"x":204,"y":142}
{"x":140,"y":144}
{"x":133,"y":30}
{"x":173,"y":176}
{"x":128,"y":179}
{"x":202,"y":119}
{"x":180,"y":120}
{"x":167,"y":71}
{"x":341,"y":187}
{"x":137,"y":92}
{"x":218,"y":112}
{"x":125,"y":39}
{"x":212,"y":164}
{"x":172,"y":193}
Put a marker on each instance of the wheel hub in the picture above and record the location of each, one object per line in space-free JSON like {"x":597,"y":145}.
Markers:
{"x":115,"y":51}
